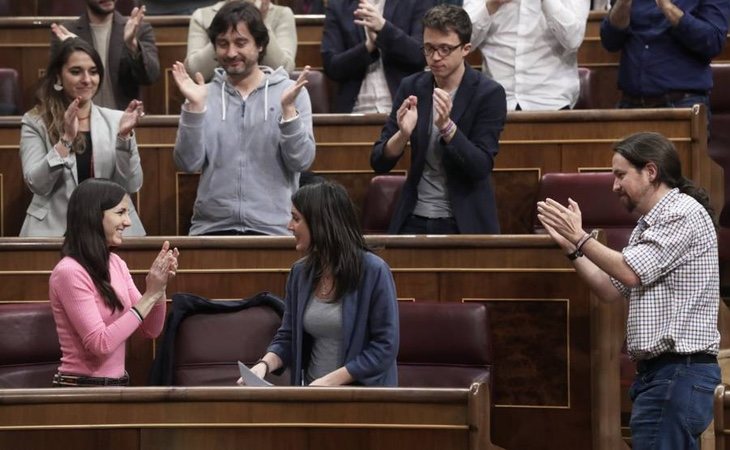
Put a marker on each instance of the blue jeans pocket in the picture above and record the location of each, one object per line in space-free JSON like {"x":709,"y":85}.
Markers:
{"x":699,"y":414}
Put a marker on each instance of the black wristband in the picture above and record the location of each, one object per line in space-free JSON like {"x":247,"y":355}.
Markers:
{"x":268,"y":369}
{"x":137,"y":313}
{"x":575,"y":255}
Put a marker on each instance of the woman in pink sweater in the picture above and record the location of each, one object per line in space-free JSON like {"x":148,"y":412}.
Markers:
{"x":95,"y":303}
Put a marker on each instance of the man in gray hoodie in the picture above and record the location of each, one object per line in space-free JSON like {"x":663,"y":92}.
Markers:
{"x":249,"y":131}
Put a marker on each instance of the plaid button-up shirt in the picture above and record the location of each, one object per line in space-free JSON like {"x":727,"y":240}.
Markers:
{"x":673,"y":251}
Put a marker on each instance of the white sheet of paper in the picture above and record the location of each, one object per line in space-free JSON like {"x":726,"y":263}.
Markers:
{"x":250,"y":378}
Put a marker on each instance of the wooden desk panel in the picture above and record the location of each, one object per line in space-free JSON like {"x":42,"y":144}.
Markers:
{"x":556,"y":366}
{"x":262,"y":418}
{"x":532,"y":143}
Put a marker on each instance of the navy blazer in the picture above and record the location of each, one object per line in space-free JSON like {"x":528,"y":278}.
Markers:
{"x":399,"y":43}
{"x":126,"y":72}
{"x":369,"y":325}
{"x":479,"y":111}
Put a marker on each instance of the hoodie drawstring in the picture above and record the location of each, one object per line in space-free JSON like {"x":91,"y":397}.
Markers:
{"x":266,"y":100}
{"x":223,"y":100}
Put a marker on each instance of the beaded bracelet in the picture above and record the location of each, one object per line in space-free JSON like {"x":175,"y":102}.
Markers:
{"x":447,"y":129}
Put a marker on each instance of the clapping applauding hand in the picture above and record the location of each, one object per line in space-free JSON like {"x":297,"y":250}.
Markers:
{"x":196,"y":92}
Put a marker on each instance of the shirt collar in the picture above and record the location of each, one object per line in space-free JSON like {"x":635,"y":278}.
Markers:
{"x":651,"y":217}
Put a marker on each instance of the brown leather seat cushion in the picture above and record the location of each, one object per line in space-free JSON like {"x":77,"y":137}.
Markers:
{"x":444,"y":344}
{"x":208,"y":346}
{"x":29,"y":350}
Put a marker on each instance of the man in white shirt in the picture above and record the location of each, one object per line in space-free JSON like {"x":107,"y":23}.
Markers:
{"x":530,"y":47}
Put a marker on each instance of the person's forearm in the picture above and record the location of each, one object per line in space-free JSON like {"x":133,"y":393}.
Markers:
{"x":338,"y":377}
{"x":148,"y":301}
{"x":620,"y":14}
{"x":598,"y":280}
{"x":396,"y":145}
{"x":273,"y":362}
{"x":671,"y":12}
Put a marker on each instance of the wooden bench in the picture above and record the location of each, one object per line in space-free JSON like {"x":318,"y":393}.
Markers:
{"x":532,"y":144}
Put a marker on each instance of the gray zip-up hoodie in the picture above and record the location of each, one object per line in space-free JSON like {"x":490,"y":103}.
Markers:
{"x":250,"y":160}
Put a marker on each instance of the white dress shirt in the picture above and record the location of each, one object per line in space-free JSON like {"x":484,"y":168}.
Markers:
{"x":530,"y":47}
{"x":374,"y":96}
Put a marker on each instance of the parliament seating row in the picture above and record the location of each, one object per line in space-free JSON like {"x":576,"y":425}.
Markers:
{"x":555,"y":345}
{"x":532,"y":144}
{"x":24,"y":44}
{"x":207,"y":346}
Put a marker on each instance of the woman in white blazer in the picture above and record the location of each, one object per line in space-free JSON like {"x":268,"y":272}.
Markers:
{"x":66,"y":139}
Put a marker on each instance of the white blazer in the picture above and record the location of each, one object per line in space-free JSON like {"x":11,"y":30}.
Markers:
{"x":52,"y":179}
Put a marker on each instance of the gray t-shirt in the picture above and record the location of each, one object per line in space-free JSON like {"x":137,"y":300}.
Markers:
{"x":323,"y":322}
{"x":433,"y":194}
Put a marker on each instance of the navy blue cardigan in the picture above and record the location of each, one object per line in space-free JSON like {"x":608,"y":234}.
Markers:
{"x":369,"y":321}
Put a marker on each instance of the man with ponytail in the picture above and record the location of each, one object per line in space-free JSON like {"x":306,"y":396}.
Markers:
{"x":669,"y":274}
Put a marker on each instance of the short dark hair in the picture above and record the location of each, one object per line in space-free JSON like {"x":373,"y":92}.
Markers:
{"x":445,"y":18}
{"x":235,"y":12}
{"x":336,"y":241}
{"x":646,"y":147}
{"x":84,"y":239}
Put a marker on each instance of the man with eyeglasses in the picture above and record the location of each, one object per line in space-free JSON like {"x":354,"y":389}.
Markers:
{"x":530,"y":47}
{"x":453,"y":116}
{"x":368,"y":46}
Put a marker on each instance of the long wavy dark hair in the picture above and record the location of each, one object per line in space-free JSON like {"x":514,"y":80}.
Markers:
{"x":646,"y":147}
{"x":336,"y":241}
{"x":51,"y":104}
{"x":85,"y":240}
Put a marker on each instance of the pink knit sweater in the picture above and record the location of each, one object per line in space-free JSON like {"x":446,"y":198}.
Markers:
{"x":93,"y":338}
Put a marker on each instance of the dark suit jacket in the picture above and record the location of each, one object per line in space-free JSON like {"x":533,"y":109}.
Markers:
{"x":479,"y":111}
{"x":399,"y":43}
{"x":126,"y":72}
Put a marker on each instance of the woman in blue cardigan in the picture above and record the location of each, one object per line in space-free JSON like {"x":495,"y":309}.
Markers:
{"x":340,"y":326}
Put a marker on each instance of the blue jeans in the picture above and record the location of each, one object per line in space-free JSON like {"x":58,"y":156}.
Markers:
{"x":672,"y":405}
{"x":686,"y":102}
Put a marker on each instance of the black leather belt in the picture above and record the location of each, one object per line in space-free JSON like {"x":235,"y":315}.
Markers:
{"x":65,"y":379}
{"x":647,"y":365}
{"x":659,"y":101}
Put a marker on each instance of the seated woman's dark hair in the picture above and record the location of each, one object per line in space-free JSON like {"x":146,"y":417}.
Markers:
{"x":336,"y":241}
{"x":84,"y":239}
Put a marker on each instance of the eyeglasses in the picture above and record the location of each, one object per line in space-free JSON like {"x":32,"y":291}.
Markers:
{"x":443,"y":50}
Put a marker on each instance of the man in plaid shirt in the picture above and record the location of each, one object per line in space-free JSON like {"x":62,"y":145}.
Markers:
{"x":669,"y":273}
